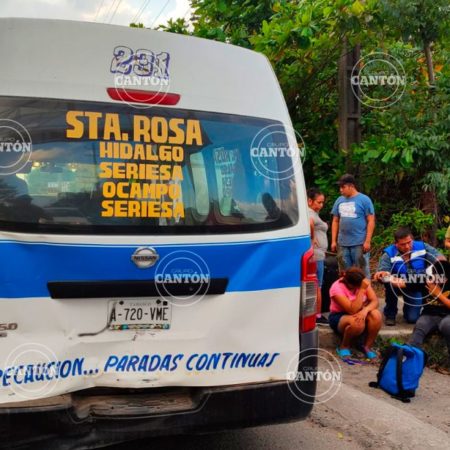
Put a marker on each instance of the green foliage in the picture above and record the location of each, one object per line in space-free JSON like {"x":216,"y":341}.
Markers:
{"x":421,"y":21}
{"x":179,"y":26}
{"x":406,"y":147}
{"x":434,"y":346}
{"x":410,"y":141}
{"x":233,"y":21}
{"x":382,"y":343}
{"x":416,"y":220}
{"x":440,"y":234}
{"x":436,"y":350}
{"x":303,"y":40}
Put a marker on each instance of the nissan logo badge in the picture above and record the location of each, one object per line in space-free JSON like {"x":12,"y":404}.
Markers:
{"x":145,"y":257}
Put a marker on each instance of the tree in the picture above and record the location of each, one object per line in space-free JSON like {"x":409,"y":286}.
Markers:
{"x":410,"y":142}
{"x":302,"y":40}
{"x":405,"y":147}
{"x":179,"y":26}
{"x":422,"y":22}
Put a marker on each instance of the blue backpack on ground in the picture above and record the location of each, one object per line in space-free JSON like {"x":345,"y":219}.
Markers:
{"x":400,"y":371}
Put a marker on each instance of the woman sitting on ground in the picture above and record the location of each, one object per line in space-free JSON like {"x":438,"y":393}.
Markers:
{"x":354,"y":310}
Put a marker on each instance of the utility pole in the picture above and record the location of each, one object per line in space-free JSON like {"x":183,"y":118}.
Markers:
{"x":349,"y":130}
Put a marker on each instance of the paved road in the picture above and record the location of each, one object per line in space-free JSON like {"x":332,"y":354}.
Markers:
{"x":307,"y":435}
{"x":357,"y":417}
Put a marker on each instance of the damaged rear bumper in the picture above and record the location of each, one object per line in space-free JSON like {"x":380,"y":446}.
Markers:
{"x":100,"y":417}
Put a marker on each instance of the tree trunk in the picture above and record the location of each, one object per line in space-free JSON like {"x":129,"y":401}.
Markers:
{"x":428,"y":200}
{"x":429,"y":60}
{"x":429,"y":205}
{"x":349,"y":114}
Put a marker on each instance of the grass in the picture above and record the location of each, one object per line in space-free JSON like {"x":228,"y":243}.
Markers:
{"x":434,"y":346}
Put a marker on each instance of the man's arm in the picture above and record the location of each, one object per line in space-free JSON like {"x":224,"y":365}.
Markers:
{"x":334,"y":233}
{"x":437,"y":293}
{"x":432,"y":254}
{"x":384,"y":267}
{"x":369,"y":212}
{"x":369,"y":233}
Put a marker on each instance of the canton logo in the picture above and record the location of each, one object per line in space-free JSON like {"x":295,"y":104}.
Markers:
{"x":145,"y":257}
{"x":140,"y":69}
{"x":15,"y":147}
{"x":378,"y":80}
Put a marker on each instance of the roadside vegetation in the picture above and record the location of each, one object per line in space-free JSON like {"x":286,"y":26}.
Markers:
{"x":403,"y":159}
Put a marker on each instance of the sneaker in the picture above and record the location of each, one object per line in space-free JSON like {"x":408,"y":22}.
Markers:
{"x":390,"y":321}
{"x":322,"y":320}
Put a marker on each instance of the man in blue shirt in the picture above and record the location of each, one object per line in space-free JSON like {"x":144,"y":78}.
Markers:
{"x":402,"y":269}
{"x":352,"y":226}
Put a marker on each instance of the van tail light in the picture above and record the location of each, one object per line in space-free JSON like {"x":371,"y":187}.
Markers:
{"x":308,"y":295}
{"x":139,"y":96}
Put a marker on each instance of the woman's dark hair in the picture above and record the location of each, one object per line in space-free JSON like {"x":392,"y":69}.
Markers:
{"x":313,"y":192}
{"x":353,"y":276}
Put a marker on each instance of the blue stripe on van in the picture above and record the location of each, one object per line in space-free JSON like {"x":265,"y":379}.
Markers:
{"x":250,"y":266}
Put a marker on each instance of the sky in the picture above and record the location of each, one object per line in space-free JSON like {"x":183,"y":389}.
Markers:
{"x":119,"y":12}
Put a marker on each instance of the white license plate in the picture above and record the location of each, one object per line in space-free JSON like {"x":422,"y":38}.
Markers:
{"x":153,"y":314}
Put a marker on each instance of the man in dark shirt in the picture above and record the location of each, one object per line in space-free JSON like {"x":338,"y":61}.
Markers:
{"x":436,"y":311}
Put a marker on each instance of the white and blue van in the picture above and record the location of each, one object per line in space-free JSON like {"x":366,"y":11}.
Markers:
{"x":156,"y":272}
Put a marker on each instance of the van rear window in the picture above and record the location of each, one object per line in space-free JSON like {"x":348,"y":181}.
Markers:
{"x":85,"y":167}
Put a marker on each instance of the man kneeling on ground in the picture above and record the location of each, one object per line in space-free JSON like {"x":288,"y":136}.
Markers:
{"x":354,"y":310}
{"x":406,"y":260}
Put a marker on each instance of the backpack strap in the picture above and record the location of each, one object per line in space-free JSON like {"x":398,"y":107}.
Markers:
{"x":402,"y":395}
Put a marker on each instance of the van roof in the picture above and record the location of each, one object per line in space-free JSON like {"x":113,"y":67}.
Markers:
{"x":73,"y":60}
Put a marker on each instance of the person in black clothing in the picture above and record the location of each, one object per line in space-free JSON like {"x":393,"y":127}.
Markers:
{"x":436,"y":311}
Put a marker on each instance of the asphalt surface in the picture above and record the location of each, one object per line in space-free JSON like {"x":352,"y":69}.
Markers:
{"x":305,"y":435}
{"x":355,"y":416}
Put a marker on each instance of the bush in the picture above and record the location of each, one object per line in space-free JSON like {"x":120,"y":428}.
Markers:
{"x":415,"y":219}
